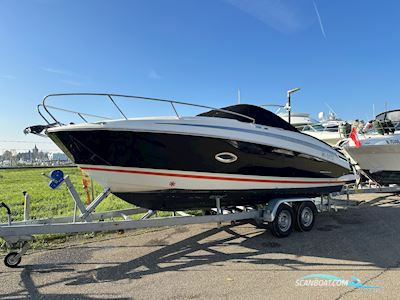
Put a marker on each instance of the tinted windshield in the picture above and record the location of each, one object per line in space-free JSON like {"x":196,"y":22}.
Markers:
{"x":259,"y":114}
{"x":314,"y":127}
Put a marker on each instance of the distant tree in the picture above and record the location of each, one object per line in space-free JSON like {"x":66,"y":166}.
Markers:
{"x":7,"y":155}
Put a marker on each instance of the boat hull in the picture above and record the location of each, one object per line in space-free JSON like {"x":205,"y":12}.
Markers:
{"x":164,"y":151}
{"x":160,"y":168}
{"x":174,"y":190}
{"x":380,"y":162}
{"x":385,"y":177}
{"x":331,"y":138}
{"x":173,"y":200}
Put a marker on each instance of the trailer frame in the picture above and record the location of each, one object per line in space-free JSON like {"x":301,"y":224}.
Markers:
{"x":17,"y":234}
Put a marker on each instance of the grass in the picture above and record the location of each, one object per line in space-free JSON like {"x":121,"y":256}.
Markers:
{"x":46,"y":202}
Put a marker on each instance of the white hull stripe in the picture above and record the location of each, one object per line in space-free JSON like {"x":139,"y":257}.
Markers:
{"x":196,"y":176}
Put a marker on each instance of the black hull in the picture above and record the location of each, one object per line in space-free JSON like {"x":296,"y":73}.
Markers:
{"x":385,"y":177}
{"x":188,"y":153}
{"x":172,"y":200}
{"x":162,"y":151}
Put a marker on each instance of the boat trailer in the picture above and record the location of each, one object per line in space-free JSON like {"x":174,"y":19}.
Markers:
{"x":282,"y":215}
{"x":368,"y":189}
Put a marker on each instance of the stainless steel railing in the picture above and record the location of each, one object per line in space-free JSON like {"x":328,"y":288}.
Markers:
{"x":47,"y":108}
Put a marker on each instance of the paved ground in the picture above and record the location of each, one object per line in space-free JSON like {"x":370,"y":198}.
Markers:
{"x":235,"y":262}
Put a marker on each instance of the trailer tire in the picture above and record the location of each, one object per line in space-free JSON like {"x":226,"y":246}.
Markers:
{"x":282,"y":225}
{"x":305,"y":214}
{"x":11,"y":261}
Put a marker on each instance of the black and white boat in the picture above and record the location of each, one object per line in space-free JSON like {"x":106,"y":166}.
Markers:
{"x":243,"y":154}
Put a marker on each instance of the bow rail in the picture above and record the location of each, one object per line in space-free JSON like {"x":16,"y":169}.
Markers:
{"x":48,"y":108}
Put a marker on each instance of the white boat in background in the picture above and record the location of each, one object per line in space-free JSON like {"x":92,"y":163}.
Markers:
{"x":331,"y":122}
{"x":298,"y":119}
{"x":320,"y":132}
{"x":328,"y":129}
{"x":377,"y":153}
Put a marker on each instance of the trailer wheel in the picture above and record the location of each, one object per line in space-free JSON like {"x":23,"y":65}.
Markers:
{"x":11,"y":260}
{"x":305,"y":216}
{"x":282,"y":225}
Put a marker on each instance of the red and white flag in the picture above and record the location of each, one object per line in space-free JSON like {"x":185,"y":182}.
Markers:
{"x":354,"y":137}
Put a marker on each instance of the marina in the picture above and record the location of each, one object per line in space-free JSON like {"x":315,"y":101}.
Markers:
{"x":225,"y":149}
{"x":256,"y":169}
{"x":269,"y":195}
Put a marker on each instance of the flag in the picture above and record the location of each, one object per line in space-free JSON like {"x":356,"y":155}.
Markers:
{"x":354,"y":137}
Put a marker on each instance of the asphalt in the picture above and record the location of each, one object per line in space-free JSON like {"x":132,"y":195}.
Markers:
{"x":233,"y":262}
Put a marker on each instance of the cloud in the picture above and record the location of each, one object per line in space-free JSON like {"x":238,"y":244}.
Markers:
{"x":60,"y":72}
{"x":275,"y":13}
{"x":154,"y":75}
{"x":7,"y":76}
{"x":67,"y":76}
{"x":71,"y":82}
{"x":321,"y":26}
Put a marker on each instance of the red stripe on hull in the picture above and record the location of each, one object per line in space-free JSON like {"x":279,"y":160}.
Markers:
{"x":212,"y":177}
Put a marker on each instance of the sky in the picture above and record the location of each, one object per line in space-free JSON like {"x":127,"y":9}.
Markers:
{"x":341,"y":53}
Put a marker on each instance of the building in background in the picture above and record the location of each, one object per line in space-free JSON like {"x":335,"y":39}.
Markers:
{"x":57,"y":157}
{"x":34,"y":157}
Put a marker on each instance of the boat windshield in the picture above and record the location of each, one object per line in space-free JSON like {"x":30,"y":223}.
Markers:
{"x":393,"y":115}
{"x":313,"y":127}
{"x":259,"y":114}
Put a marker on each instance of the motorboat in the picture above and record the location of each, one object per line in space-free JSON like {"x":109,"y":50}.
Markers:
{"x":242,"y":154}
{"x":297,"y":119}
{"x":327,"y":130}
{"x":393,"y":116}
{"x":323,"y":133}
{"x":303,"y":120}
{"x":379,"y":157}
{"x":376,"y":152}
{"x":330,"y":122}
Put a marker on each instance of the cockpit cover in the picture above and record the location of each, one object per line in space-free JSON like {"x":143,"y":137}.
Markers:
{"x":259,"y":114}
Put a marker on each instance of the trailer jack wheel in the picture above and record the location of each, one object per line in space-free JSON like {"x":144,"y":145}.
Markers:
{"x":12,"y":259}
